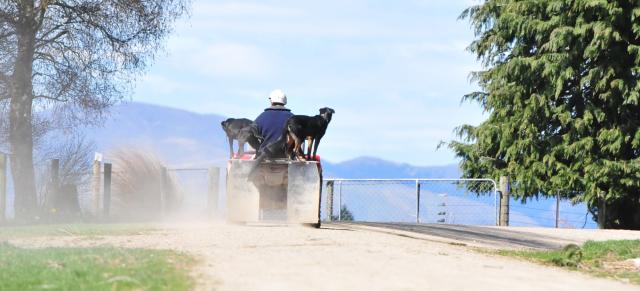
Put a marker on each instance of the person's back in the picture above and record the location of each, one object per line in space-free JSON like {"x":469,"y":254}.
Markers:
{"x":271,"y":122}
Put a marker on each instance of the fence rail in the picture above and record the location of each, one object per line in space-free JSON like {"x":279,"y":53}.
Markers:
{"x":92,"y":191}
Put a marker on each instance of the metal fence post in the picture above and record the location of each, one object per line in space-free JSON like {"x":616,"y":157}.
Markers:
{"x":418,"y":201}
{"x":96,"y":187}
{"x":214,"y":189}
{"x":3,"y":186}
{"x":340,"y":201}
{"x":107,"y":190}
{"x":330,"y":200}
{"x":505,"y":187}
{"x":496,"y":202}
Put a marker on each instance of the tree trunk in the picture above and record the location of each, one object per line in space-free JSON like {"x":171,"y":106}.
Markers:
{"x":20,"y":118}
{"x":602,"y":213}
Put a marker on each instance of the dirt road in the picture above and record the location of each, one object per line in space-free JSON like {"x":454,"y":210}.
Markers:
{"x":340,"y":257}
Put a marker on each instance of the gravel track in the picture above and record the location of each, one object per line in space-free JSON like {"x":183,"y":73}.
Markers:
{"x":341,"y":257}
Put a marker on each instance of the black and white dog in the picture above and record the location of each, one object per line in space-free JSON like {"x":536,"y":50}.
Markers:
{"x":311,"y":128}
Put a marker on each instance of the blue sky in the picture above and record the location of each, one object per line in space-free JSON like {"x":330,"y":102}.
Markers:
{"x":394,"y":71}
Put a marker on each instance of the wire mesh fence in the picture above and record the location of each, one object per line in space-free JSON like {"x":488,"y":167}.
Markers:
{"x":192,"y":185}
{"x":191,"y":188}
{"x":549,"y":212}
{"x":90,"y":191}
{"x":447,"y":201}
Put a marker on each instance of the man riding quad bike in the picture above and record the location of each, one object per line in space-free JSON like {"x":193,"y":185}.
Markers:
{"x":275,"y":188}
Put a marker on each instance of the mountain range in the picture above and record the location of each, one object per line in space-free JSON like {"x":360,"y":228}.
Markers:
{"x":186,"y":139}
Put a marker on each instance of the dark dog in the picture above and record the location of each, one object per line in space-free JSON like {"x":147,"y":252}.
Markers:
{"x":251,"y":135}
{"x":301,"y":127}
{"x":244,"y":131}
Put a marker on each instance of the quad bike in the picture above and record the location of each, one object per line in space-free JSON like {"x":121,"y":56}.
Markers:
{"x":278,"y":191}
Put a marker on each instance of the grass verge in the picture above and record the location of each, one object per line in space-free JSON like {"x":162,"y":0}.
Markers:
{"x":608,"y":259}
{"x":11,"y":232}
{"x":102,"y":268}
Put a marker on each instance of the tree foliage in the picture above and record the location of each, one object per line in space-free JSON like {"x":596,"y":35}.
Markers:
{"x":561,"y":88}
{"x":345,"y":215}
{"x":74,"y":59}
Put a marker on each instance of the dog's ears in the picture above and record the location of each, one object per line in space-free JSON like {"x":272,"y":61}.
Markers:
{"x":327,"y":109}
{"x":224,"y":123}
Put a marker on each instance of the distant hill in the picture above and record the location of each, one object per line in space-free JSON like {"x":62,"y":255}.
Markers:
{"x":179,"y":137}
{"x":371,"y":167}
{"x":188,"y":139}
{"x":185,"y":139}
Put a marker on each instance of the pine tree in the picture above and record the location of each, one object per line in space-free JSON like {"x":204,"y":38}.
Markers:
{"x":560,"y":84}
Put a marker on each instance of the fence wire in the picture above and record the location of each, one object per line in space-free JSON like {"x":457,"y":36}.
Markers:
{"x":471,"y":201}
{"x":542,"y":213}
{"x":192,"y":186}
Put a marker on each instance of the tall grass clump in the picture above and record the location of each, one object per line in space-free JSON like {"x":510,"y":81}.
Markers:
{"x":141,"y":187}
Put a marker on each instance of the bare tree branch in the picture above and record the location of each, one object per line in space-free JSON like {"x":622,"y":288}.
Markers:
{"x":50,"y":98}
{"x":44,"y":42}
{"x":82,"y":56}
{"x":7,"y":17}
{"x":42,"y":9}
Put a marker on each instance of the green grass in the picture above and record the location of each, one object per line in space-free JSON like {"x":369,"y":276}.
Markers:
{"x":603,"y":259}
{"x":73,"y":229}
{"x":102,"y":268}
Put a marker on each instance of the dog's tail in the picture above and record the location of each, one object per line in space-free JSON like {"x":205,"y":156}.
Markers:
{"x":289,"y":144}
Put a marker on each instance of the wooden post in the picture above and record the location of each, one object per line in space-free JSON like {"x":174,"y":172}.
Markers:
{"x":505,"y":188}
{"x":330,"y":200}
{"x":214,"y":192}
{"x":558,"y":210}
{"x":55,"y":184}
{"x":106,"y":204}
{"x":96,"y":187}
{"x":3,"y":186}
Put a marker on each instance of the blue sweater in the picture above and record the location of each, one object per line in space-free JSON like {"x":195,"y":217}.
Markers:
{"x":271,"y":123}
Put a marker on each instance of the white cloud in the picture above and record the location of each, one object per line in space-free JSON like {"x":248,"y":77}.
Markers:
{"x":302,"y":19}
{"x":185,"y":143}
{"x":235,"y":9}
{"x":394,"y":72}
{"x":230,"y":59}
{"x":420,"y":49}
{"x":222,"y":60}
{"x":159,"y":84}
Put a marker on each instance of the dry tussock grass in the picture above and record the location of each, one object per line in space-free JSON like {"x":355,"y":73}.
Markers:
{"x":141,"y":189}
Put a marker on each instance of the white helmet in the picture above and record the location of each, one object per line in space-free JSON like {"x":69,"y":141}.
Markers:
{"x":278,"y":96}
